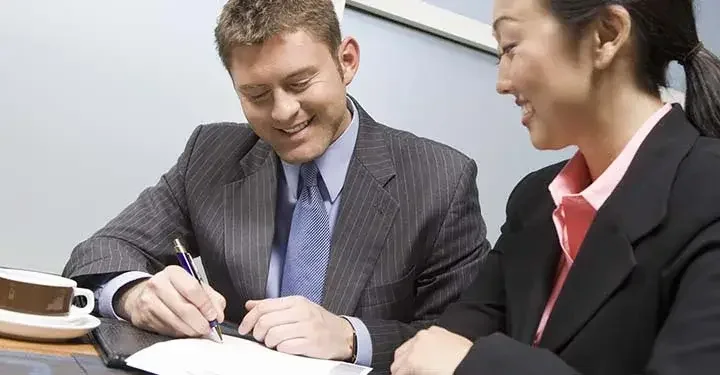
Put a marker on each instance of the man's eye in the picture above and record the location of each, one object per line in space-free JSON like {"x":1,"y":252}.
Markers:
{"x":258,"y":97}
{"x":299,"y":85}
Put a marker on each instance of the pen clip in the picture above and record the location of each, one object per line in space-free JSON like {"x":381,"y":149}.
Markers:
{"x":186,"y":259}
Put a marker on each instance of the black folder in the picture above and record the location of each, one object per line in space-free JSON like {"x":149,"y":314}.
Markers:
{"x":116,"y":340}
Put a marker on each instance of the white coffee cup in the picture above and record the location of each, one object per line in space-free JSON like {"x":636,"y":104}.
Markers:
{"x":40,"y":293}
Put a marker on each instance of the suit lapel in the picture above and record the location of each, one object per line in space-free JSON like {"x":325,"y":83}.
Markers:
{"x":366,"y":215}
{"x":529,"y":274}
{"x":605,"y":259}
{"x":250,"y":221}
{"x":637,"y":205}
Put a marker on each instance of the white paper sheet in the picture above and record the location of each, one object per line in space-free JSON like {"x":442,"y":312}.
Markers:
{"x":234,"y":356}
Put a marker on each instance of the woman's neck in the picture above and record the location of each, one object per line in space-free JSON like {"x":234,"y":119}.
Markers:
{"x":612,"y":122}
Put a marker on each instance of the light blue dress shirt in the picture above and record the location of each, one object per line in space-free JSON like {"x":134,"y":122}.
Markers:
{"x":333,"y":166}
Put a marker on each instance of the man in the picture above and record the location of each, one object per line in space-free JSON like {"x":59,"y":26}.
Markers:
{"x":329,"y":235}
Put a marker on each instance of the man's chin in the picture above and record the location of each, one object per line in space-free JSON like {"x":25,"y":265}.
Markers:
{"x":299,"y":156}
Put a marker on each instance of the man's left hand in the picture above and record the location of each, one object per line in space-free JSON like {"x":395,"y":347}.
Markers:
{"x":432,"y":351}
{"x":295,"y":325}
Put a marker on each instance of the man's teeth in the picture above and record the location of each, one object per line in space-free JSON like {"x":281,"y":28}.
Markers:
{"x":297,"y":128}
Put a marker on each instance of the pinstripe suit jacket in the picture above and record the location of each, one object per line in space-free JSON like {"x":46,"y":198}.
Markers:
{"x":408,"y":238}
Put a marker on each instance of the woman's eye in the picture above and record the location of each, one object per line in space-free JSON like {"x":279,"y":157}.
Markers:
{"x":507,"y":48}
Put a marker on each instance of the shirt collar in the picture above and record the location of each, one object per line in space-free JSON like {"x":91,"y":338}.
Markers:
{"x":574,"y":178}
{"x":333,"y":163}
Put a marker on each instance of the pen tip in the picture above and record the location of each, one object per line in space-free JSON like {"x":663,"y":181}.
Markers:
{"x":219,"y":333}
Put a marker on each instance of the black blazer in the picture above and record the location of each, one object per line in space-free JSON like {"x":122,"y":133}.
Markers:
{"x":643,"y":296}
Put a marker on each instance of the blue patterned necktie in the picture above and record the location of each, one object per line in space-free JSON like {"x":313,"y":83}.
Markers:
{"x":308,"y":247}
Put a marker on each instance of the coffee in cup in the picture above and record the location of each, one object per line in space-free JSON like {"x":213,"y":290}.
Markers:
{"x":40,"y":293}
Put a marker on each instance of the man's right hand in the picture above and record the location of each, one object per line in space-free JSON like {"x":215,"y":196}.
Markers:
{"x":172,"y":303}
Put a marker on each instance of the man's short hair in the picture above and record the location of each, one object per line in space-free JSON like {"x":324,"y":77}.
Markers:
{"x":250,"y":22}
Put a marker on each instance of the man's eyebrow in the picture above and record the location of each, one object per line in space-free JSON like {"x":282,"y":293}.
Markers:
{"x":301,"y":72}
{"x":250,"y":86}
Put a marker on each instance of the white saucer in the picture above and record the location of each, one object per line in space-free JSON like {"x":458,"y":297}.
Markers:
{"x":42,"y":328}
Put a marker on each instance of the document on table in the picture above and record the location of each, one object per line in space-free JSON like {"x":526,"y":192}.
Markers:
{"x":205,"y":357}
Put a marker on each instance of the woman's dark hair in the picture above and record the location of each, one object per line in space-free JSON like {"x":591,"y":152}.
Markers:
{"x":663,"y":31}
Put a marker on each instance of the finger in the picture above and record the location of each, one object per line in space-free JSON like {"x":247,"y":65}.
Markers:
{"x":403,"y":349}
{"x":171,"y":298}
{"x":157,"y":317}
{"x":395,"y":367}
{"x":218,"y":302}
{"x":281,"y":333}
{"x":167,"y":322}
{"x":297,"y":346}
{"x":192,"y":291}
{"x":250,"y":304}
{"x":264,"y":307}
{"x":400,"y":367}
{"x":273,"y":320}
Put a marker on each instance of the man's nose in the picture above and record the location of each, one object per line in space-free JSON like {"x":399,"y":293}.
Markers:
{"x":285,"y":107}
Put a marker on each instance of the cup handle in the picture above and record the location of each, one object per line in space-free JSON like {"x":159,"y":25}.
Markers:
{"x":89,"y":298}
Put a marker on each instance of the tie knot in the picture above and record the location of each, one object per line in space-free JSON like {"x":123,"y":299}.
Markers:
{"x":309,"y":174}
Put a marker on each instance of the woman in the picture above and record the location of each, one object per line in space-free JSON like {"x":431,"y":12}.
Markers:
{"x":608,"y":263}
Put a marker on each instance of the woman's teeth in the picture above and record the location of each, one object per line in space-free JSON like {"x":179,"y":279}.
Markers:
{"x":527,"y":109}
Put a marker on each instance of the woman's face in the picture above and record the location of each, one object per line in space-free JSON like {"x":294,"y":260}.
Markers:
{"x":547,"y":71}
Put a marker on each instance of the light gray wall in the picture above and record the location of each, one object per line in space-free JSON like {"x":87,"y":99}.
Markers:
{"x":479,"y":10}
{"x":97,"y":100}
{"x":444,"y":91}
{"x":707,"y":14}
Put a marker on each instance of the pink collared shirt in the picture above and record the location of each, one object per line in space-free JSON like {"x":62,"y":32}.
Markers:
{"x":577,"y":199}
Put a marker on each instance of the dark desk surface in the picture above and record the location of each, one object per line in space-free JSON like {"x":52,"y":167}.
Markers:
{"x":68,"y":358}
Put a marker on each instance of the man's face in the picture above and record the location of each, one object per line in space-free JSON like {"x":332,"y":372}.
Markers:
{"x":292,"y":91}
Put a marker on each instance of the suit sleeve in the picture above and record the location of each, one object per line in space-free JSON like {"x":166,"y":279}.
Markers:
{"x":140,"y":237}
{"x":481,"y":308}
{"x":688,"y":341}
{"x":452,"y":264}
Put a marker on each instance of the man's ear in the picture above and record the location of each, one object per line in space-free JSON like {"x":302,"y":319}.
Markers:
{"x":349,"y":59}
